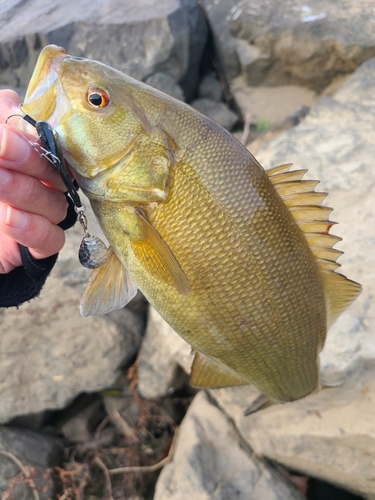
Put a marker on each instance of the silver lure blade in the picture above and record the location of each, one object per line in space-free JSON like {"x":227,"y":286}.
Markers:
{"x":92,"y":252}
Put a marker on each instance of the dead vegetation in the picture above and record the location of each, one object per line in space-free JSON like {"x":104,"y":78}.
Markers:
{"x":121,"y":459}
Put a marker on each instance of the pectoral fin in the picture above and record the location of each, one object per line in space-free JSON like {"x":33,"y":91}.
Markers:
{"x":206,"y":373}
{"x":156,"y":256}
{"x":110,"y":287}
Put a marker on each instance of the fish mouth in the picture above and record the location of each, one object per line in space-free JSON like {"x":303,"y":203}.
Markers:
{"x":44,"y":94}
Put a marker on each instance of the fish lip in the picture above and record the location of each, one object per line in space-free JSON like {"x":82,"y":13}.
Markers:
{"x":45,"y":85}
{"x":46,"y":72}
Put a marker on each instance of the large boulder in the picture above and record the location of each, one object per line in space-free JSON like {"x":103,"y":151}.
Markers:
{"x":161,"y":354}
{"x":49,"y":353}
{"x":20,"y":450}
{"x":277,"y":43}
{"x":211,"y":463}
{"x":297,"y":49}
{"x":139,"y":38}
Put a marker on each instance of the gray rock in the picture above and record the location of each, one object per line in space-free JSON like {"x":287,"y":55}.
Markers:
{"x":197,"y":43}
{"x":167,"y":84}
{"x":78,"y":428}
{"x":278,"y":43}
{"x":270,"y":104}
{"x":329,"y":436}
{"x":34,"y":451}
{"x":210,"y":87}
{"x":217,"y":111}
{"x":49,"y":353}
{"x":161,"y":353}
{"x":138,"y":38}
{"x":211,"y":462}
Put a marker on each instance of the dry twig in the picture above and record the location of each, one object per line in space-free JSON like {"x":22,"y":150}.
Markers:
{"x":106,"y":475}
{"x":246,"y":129}
{"x":120,"y":423}
{"x":148,"y":468}
{"x":23,"y":469}
{"x":101,"y":426}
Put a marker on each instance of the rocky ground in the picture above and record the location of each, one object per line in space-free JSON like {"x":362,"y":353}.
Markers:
{"x":101,"y":407}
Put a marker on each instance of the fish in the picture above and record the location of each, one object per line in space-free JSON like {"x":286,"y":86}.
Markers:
{"x":237,"y":259}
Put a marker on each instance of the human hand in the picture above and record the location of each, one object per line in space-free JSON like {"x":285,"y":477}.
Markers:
{"x":32,"y":202}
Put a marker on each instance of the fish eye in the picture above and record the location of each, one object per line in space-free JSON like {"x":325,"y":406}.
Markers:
{"x":99,"y":98}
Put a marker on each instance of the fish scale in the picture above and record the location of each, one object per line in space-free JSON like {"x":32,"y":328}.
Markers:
{"x":236,"y":259}
{"x":243,"y":288}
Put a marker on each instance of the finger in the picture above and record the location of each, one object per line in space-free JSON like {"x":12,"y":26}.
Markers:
{"x":33,"y":231}
{"x":30,"y":195}
{"x":17,"y":153}
{"x":9,"y":101}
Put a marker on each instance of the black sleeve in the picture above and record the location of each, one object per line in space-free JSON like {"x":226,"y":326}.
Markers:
{"x":26,"y":282}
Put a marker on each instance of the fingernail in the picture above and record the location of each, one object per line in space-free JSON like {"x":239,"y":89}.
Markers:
{"x":12,"y":146}
{"x":15,"y":218}
{"x":4,"y":176}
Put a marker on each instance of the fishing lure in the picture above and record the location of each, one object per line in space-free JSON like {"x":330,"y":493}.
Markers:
{"x":92,"y":251}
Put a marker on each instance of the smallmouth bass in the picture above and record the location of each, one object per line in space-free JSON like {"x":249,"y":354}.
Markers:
{"x":238,"y":260}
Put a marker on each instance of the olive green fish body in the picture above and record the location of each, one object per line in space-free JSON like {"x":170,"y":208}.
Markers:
{"x":243,"y":307}
{"x":203,"y":230}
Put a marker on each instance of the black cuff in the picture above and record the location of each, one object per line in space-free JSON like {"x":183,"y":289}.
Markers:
{"x":71,"y":215}
{"x":25,"y":283}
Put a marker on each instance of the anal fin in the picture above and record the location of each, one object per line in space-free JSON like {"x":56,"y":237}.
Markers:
{"x":110,"y":287}
{"x":207,"y":374}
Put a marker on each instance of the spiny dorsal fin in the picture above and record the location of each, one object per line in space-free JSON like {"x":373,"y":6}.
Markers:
{"x":294,"y":175}
{"x":280,"y":169}
{"x":206,"y":373}
{"x":305,"y":206}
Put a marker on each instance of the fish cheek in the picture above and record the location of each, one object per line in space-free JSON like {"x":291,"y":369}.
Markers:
{"x":94,"y":138}
{"x":140,"y":177}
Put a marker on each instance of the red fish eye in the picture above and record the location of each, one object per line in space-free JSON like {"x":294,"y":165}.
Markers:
{"x":98,"y":98}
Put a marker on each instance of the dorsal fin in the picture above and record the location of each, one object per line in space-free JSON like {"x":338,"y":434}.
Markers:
{"x":305,"y":206}
{"x":280,"y":169}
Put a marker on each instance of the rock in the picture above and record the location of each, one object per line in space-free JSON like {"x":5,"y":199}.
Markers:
{"x":138,"y":38}
{"x":217,"y":111}
{"x":166,"y":83}
{"x":210,"y":88}
{"x":197,"y":43}
{"x":271,"y":134}
{"x":211,"y":462}
{"x":79,"y":427}
{"x":273,"y":104}
{"x":161,"y":353}
{"x":330,"y":435}
{"x":49,"y":353}
{"x":36,"y":452}
{"x":273,"y":43}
